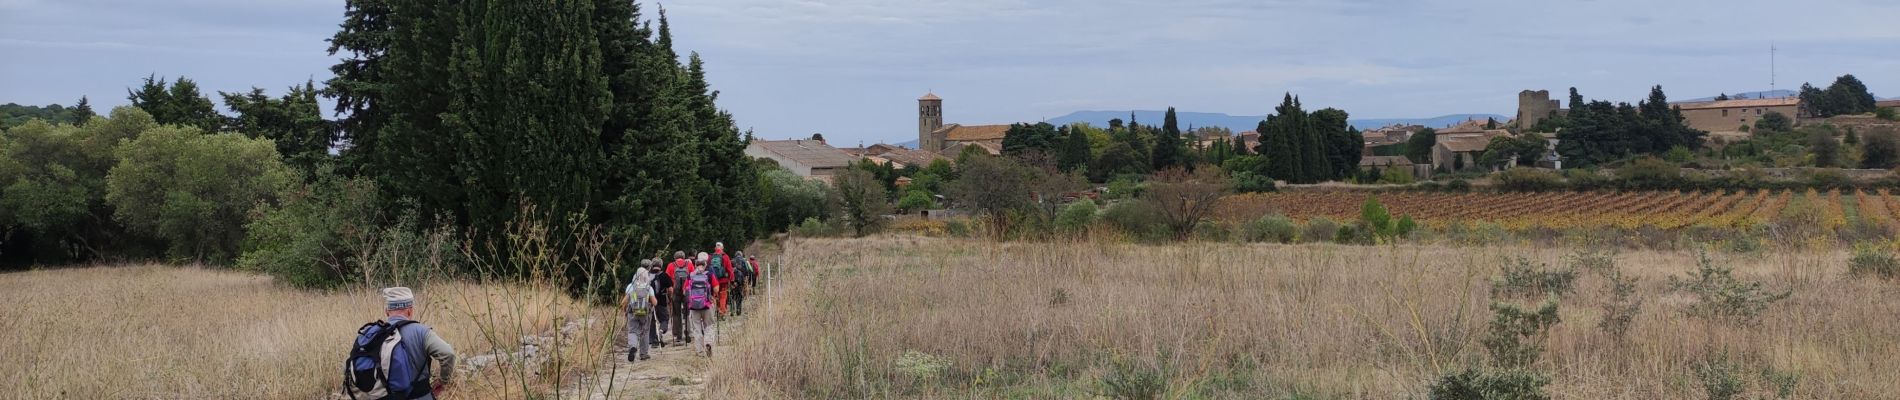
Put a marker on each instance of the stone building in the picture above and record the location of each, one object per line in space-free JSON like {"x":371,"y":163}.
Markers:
{"x":1534,"y":106}
{"x":933,"y":135}
{"x":1731,"y":115}
{"x":807,"y":158}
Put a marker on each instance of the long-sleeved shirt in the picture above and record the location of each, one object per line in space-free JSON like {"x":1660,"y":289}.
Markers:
{"x":661,"y":284}
{"x":432,"y":346}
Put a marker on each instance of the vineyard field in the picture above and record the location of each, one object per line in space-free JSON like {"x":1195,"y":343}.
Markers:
{"x":1564,"y":210}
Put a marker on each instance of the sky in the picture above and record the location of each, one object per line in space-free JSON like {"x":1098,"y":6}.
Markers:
{"x":853,"y":69}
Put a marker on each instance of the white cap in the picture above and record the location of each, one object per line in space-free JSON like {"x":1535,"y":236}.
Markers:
{"x":398,"y":298}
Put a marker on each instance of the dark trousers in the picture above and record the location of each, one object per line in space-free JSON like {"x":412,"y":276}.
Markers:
{"x":678,"y":306}
{"x":738,"y":297}
{"x":653,"y":330}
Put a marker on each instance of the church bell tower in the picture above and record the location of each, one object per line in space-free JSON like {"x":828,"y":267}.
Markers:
{"x":929,"y":120}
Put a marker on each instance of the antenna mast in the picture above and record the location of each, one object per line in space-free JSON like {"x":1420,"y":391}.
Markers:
{"x":1771,"y":67}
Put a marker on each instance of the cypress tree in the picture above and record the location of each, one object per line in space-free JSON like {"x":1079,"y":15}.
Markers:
{"x":1167,"y":150}
{"x":652,"y":204}
{"x":728,"y":192}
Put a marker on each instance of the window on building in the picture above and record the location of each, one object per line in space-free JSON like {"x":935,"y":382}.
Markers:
{"x":1724,"y":113}
{"x":1757,"y":111}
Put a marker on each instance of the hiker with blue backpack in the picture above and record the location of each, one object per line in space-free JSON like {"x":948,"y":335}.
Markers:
{"x":390,"y":358}
{"x":639,"y":304}
{"x":701,"y":307}
{"x":742,"y":275}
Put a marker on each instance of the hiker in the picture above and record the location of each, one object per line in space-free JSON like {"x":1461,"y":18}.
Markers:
{"x":639,"y":306}
{"x":404,"y":374}
{"x":742,"y":274}
{"x":722,"y":273}
{"x":701,"y":307}
{"x":662,"y":287}
{"x":677,"y":273}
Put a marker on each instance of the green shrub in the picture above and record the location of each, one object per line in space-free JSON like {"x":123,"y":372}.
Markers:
{"x":1272,"y":228}
{"x":1458,"y":185}
{"x":1138,"y":219}
{"x":916,"y":200}
{"x":1720,"y":295}
{"x":1721,"y":379}
{"x":1134,"y":381}
{"x":1619,"y":311}
{"x":1211,"y":231}
{"x":1528,"y":180}
{"x":1076,"y":216}
{"x":1872,"y":260}
{"x":1586,"y":179}
{"x":1649,"y":173}
{"x":1521,"y":277}
{"x":315,"y":237}
{"x":957,"y":227}
{"x":1406,"y":226}
{"x":812,"y":227}
{"x":1887,"y":113}
{"x":1515,"y":338}
{"x":1319,"y":229}
{"x":1828,"y":178}
{"x":1476,"y":384}
{"x":1249,"y":182}
{"x":192,"y":190}
{"x":1347,"y":234}
{"x":1125,"y":187}
{"x":1376,"y":220}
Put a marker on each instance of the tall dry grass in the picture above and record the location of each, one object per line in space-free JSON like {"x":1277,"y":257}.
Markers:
{"x":154,"y":331}
{"x":1060,"y":320}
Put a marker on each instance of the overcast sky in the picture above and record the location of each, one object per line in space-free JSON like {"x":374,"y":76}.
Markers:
{"x":853,"y":69}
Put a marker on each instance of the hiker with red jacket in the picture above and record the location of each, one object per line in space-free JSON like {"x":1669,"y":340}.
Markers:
{"x":678,"y":272}
{"x":720,"y":266}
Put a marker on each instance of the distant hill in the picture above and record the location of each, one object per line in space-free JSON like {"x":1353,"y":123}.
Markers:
{"x":1243,"y":123}
{"x":1765,"y":94}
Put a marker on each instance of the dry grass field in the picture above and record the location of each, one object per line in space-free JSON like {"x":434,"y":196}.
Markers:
{"x":942,"y":318}
{"x":152,"y":331}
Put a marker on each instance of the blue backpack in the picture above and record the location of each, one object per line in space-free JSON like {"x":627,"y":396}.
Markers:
{"x":378,"y":367}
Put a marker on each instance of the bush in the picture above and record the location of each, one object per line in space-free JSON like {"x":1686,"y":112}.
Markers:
{"x":1828,"y":178}
{"x":916,"y":200}
{"x":812,"y":227}
{"x":1406,"y":226}
{"x":1721,"y":379}
{"x":1521,"y":277}
{"x":1249,"y":182}
{"x":1272,"y":228}
{"x":1529,"y":180}
{"x":1475,"y":384}
{"x":1125,"y":187}
{"x":316,"y":236}
{"x":1871,"y":260}
{"x":1134,"y":381}
{"x":1347,"y":234}
{"x":1458,"y":185}
{"x":1211,"y":231}
{"x":1319,"y":229}
{"x":1887,"y":113}
{"x":1586,"y":179}
{"x":1077,"y":216}
{"x":1719,"y":294}
{"x":1138,"y":219}
{"x":192,"y":190}
{"x":1649,"y":173}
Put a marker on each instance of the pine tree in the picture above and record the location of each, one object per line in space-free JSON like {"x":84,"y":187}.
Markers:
{"x":728,"y":198}
{"x":176,"y":104}
{"x":1075,"y":150}
{"x":82,"y":112}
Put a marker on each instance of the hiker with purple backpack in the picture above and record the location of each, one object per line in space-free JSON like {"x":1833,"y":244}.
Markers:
{"x":701,"y":306}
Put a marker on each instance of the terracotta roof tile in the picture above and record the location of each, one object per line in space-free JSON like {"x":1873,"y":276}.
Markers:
{"x":811,"y":153}
{"x":1704,"y":105}
{"x":971,"y":133}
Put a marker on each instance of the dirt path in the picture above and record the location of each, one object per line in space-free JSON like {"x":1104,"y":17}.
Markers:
{"x":674,"y":372}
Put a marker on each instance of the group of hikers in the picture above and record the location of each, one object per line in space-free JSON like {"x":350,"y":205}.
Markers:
{"x":685,"y":297}
{"x":390,"y":358}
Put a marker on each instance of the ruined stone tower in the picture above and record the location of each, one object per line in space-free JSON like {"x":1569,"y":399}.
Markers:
{"x":1534,"y":106}
{"x":929,"y":120}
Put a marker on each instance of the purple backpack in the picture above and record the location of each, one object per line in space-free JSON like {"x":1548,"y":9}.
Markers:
{"x":699,"y":291}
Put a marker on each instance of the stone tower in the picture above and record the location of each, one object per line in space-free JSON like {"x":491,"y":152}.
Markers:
{"x":1535,"y":106}
{"x":929,"y":120}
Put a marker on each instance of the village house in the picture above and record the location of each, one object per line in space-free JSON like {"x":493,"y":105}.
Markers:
{"x":807,"y":158}
{"x":898,"y":157}
{"x":1732,"y":115}
{"x":934,"y":136}
{"x":1460,"y":145}
{"x":1384,"y":163}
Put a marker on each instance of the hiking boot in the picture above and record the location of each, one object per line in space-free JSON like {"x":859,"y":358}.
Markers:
{"x":630,"y":354}
{"x":644,"y":357}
